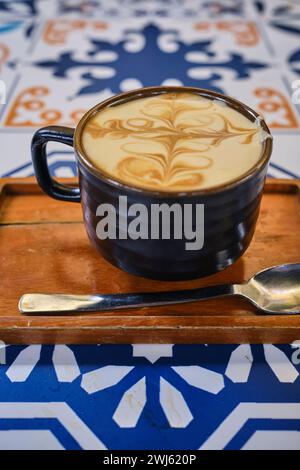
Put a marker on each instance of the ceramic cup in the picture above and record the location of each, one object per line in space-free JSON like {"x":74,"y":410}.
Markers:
{"x":231,"y":210}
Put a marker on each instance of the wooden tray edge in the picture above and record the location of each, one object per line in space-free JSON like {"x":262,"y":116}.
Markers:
{"x":217,"y":335}
{"x":23,"y":184}
{"x":191,"y":329}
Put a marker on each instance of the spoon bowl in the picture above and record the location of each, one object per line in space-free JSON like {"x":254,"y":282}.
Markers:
{"x":274,"y":290}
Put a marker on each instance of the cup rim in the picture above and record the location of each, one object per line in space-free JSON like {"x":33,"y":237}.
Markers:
{"x":154,"y":91}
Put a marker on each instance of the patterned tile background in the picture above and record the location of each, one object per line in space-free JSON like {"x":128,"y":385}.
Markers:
{"x":57,"y":59}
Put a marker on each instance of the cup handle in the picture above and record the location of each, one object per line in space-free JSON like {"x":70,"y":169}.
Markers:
{"x":39,"y":159}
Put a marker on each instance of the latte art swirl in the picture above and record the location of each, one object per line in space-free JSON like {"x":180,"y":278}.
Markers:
{"x":171,"y":142}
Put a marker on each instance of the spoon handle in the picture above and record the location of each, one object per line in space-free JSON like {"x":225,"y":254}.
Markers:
{"x":56,"y":303}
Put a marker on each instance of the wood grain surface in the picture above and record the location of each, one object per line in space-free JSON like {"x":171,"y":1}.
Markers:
{"x":44,"y":248}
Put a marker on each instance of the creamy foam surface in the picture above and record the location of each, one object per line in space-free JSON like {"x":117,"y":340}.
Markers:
{"x":172,"y":142}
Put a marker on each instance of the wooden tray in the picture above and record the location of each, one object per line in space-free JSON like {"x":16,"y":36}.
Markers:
{"x":44,"y":248}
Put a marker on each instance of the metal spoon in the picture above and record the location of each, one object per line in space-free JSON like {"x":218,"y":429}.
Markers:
{"x":274,"y":290}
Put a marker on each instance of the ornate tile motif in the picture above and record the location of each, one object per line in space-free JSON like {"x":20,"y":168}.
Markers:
{"x":151,"y":396}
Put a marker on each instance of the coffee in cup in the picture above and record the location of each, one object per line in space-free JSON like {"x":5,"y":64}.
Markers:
{"x":172,"y":142}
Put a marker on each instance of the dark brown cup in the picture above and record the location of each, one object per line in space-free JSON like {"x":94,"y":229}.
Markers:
{"x":231,"y":210}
